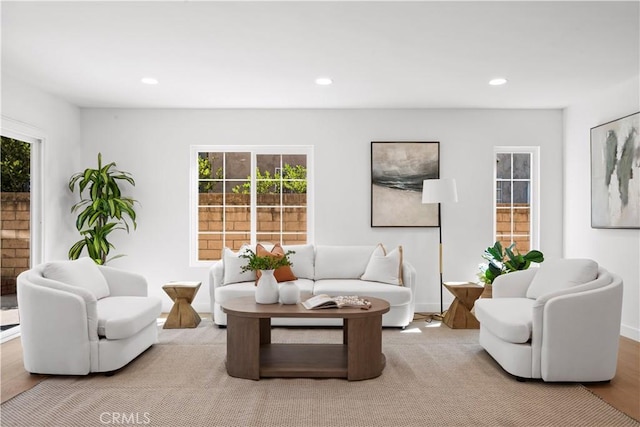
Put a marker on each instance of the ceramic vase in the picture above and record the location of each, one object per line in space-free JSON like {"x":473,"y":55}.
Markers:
{"x":267,"y":289}
{"x":289,"y":293}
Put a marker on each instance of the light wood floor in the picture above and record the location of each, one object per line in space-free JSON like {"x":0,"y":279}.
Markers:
{"x":623,"y":392}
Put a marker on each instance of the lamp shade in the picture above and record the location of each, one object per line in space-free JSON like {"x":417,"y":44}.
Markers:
{"x":439,"y":190}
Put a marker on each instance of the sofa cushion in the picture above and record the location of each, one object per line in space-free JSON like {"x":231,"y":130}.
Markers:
{"x":246,"y":289}
{"x":394,"y":295}
{"x":282,"y":274}
{"x":384,"y":267}
{"x":301,"y":260}
{"x":83,"y":273}
{"x":233,"y":264}
{"x":510,"y":319}
{"x":123,"y":317}
{"x":341,"y":262}
{"x":557,"y":274}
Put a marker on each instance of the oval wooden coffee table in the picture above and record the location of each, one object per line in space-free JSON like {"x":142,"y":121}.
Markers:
{"x":250,"y":353}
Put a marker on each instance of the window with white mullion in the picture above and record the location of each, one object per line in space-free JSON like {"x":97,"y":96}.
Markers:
{"x":515,"y":197}
{"x":248,"y":195}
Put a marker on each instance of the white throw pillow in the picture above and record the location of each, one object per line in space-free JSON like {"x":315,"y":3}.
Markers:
{"x":233,"y":264}
{"x":302,"y":260}
{"x":82,"y":273}
{"x":341,"y":262}
{"x":385,"y":267}
{"x":557,"y":274}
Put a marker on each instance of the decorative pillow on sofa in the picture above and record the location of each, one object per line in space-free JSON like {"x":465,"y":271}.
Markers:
{"x":383,"y":267}
{"x":302,"y":260}
{"x":82,"y":272}
{"x":556,"y":274}
{"x":282,"y":274}
{"x":341,"y":262}
{"x":233,"y":267}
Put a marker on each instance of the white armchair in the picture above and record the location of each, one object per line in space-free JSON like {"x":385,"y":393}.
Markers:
{"x":77,"y":317}
{"x":558,"y":322}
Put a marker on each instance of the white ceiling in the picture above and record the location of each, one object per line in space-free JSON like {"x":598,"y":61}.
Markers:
{"x":265,"y":54}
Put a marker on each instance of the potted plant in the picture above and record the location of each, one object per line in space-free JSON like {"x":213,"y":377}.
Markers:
{"x":266,"y":262}
{"x":103,"y":209}
{"x":267,"y":285}
{"x":503,"y":261}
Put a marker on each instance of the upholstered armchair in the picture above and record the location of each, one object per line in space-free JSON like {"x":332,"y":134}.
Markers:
{"x":558,"y":322}
{"x":77,"y":317}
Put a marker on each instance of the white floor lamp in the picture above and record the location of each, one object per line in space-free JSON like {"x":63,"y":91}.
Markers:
{"x":439,"y":191}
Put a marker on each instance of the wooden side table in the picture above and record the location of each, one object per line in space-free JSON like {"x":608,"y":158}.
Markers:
{"x":459,"y":315}
{"x":182,"y":315}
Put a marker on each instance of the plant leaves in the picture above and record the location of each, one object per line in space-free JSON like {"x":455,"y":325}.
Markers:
{"x":534,"y":256}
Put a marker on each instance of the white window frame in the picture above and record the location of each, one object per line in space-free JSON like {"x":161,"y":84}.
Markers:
{"x":535,"y":190}
{"x":254,"y":150}
{"x":36,"y":137}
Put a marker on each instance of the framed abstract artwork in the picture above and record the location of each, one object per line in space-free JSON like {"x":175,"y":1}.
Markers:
{"x":615,"y":173}
{"x":397,"y":172}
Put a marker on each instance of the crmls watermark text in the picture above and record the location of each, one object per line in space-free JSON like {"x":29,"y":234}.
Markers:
{"x":124,"y":418}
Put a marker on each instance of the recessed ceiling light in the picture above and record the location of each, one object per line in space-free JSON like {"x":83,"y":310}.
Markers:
{"x":498,"y":81}
{"x":323,"y":81}
{"x":149,"y":81}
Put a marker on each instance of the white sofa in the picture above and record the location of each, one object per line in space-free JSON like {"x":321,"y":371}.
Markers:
{"x":77,"y":317}
{"x":558,"y":322}
{"x":332,"y":270}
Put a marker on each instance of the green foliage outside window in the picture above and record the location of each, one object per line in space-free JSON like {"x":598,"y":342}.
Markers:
{"x":204,"y":172}
{"x":294,"y":180}
{"x":15,"y":165}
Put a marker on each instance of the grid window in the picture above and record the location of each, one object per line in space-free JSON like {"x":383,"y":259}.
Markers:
{"x":515,"y":197}
{"x":249,"y":195}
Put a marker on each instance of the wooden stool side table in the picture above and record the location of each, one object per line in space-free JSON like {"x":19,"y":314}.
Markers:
{"x":459,"y":315}
{"x":182,"y":315}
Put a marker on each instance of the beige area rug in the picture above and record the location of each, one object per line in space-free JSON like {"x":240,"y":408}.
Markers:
{"x":434,"y":376}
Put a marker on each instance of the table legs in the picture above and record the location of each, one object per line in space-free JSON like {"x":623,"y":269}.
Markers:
{"x":244,"y":337}
{"x":364,"y":348}
{"x":247,"y":337}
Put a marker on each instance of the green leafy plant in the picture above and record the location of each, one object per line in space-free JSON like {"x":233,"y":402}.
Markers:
{"x":204,"y":172}
{"x":103,"y":211}
{"x":15,"y":165}
{"x":503,"y":261}
{"x":294,"y":180}
{"x":267,"y":262}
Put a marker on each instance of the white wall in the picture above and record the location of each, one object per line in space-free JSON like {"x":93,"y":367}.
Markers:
{"x":28,"y":110}
{"x":616,"y":250}
{"x":154,"y":146}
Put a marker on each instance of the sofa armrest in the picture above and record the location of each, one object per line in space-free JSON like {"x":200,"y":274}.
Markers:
{"x":409,"y":277}
{"x":55,"y":330}
{"x":58,"y":322}
{"x":124,"y":283}
{"x":216,"y":273}
{"x":580,"y":333}
{"x":513,"y":285}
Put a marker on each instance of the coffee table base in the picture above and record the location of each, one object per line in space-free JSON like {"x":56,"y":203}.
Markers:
{"x":307,"y":361}
{"x":251,"y":355}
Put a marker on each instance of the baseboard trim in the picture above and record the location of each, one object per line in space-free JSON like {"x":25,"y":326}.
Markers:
{"x":629,"y":332}
{"x":9,"y":334}
{"x":430,"y":308}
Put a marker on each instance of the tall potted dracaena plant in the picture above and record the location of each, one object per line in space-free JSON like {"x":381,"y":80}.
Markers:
{"x":103,"y":209}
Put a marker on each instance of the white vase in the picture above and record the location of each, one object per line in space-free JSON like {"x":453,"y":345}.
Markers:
{"x":267,"y":289}
{"x":289,"y":293}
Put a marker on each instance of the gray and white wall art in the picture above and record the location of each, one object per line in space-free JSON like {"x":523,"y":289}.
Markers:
{"x":397,"y":172}
{"x":615,"y":173}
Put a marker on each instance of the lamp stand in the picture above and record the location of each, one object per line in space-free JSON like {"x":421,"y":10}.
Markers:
{"x":440,"y":254}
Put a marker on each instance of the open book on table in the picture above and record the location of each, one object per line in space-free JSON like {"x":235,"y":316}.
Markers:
{"x":325,"y":301}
